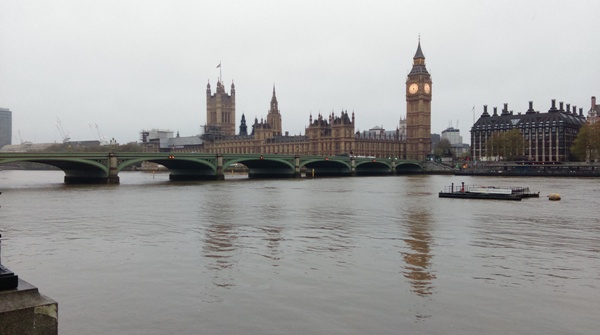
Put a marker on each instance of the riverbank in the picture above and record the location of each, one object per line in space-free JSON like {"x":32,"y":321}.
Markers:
{"x":533,"y":169}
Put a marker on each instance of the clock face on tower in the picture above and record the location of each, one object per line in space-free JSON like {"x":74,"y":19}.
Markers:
{"x":427,"y":88}
{"x":413,"y":88}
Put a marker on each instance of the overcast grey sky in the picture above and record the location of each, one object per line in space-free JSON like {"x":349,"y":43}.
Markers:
{"x":133,"y":65}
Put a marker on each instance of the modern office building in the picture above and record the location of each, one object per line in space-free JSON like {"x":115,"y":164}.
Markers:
{"x":5,"y":127}
{"x":456,"y":141}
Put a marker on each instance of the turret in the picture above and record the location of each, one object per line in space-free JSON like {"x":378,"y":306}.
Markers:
{"x":243,"y":126}
{"x":485,"y":112}
{"x":553,"y":108}
{"x":505,"y":110}
{"x":530,"y":110}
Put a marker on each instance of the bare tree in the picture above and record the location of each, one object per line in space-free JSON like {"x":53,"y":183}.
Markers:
{"x":507,"y":145}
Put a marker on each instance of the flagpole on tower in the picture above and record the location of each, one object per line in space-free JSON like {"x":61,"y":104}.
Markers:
{"x":220,"y":71}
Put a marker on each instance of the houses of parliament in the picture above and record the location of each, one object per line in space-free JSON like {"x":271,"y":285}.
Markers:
{"x":326,"y":134}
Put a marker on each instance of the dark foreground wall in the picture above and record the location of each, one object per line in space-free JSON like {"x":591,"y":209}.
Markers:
{"x":24,"y":311}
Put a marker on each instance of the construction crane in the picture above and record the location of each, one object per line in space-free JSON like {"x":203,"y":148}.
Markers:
{"x":92,"y":129}
{"x":450,"y":124}
{"x":63,"y":134}
{"x":21,"y":139}
{"x":101,"y":138}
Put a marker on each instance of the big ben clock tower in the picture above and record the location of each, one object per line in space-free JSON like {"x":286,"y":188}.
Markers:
{"x":418,"y":109}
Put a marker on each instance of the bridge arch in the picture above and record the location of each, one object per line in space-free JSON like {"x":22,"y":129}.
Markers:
{"x":373,"y":167}
{"x":327,"y":167}
{"x":266,"y":167}
{"x":77,"y":170}
{"x":409,"y":168}
{"x":180,"y":167}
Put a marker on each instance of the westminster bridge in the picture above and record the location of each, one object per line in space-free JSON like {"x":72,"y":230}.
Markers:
{"x":104,"y":168}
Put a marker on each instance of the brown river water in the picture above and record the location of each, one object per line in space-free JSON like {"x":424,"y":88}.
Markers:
{"x":360,"y":255}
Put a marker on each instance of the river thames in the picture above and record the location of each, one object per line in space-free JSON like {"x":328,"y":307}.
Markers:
{"x":360,"y":255}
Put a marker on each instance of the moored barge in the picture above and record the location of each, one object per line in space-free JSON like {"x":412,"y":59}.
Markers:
{"x":487,"y":192}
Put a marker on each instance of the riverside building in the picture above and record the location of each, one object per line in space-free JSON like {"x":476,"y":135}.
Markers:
{"x":547,"y":136}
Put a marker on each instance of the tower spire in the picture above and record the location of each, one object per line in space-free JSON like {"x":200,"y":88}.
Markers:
{"x":273,"y":116}
{"x":419,"y":62}
{"x":419,"y":53}
{"x":274,"y":106}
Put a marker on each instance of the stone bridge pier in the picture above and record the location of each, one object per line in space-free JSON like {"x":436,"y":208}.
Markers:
{"x":113,"y":172}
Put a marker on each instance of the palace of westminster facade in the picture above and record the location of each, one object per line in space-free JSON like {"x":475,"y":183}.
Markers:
{"x":325,"y":135}
{"x":547,"y":136}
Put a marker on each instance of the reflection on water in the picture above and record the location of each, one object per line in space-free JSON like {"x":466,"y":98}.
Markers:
{"x":219,"y":248}
{"x":418,"y":256}
{"x":273,"y":239}
{"x":418,"y":260}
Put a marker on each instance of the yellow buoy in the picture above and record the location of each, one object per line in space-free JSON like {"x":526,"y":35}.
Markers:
{"x":554,"y":196}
